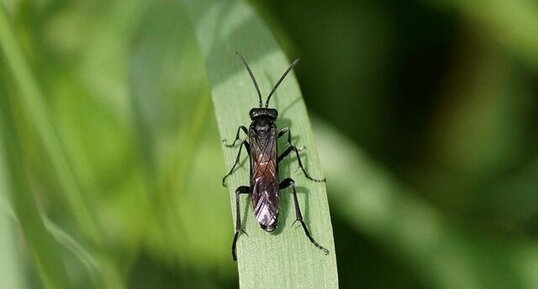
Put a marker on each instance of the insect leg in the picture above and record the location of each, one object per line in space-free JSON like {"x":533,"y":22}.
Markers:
{"x":238,"y":230}
{"x":239,"y":129}
{"x":247,"y":147}
{"x":283,"y":132}
{"x":294,"y":148}
{"x":298,"y":215}
{"x":288,"y":131}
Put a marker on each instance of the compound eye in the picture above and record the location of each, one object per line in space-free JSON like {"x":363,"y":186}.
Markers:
{"x":254,"y":113}
{"x":273,"y":113}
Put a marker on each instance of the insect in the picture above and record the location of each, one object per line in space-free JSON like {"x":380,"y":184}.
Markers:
{"x":262,"y":148}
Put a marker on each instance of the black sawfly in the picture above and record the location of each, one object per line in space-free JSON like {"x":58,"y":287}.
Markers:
{"x":262,"y":148}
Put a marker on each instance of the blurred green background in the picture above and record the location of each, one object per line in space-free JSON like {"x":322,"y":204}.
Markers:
{"x":433,"y":104}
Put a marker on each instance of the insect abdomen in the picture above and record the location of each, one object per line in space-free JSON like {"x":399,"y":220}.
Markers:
{"x":266,"y":211}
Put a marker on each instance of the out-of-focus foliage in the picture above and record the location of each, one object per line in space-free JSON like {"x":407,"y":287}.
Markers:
{"x":430,"y":152}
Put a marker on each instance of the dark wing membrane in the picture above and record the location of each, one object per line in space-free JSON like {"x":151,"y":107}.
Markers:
{"x":264,"y":180}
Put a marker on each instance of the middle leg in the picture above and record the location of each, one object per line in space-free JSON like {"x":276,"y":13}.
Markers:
{"x":293,"y":148}
{"x":247,"y":147}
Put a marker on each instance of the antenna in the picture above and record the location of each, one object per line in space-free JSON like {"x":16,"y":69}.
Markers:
{"x":279,"y":81}
{"x":251,"y":76}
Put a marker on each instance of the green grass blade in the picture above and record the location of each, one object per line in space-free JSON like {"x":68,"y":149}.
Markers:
{"x":285,"y":259}
{"x":44,"y":250}
{"x":11,"y":275}
{"x":34,"y":104}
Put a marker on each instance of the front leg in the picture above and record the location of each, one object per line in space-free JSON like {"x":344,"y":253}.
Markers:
{"x":239,"y":129}
{"x":287,"y":130}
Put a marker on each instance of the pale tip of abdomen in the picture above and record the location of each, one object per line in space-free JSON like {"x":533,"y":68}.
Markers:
{"x":269,"y":228}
